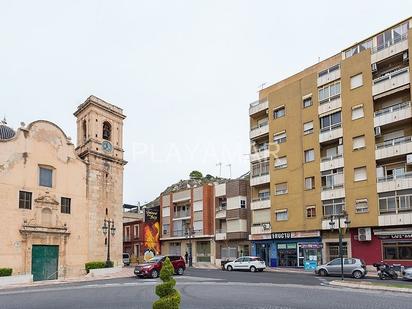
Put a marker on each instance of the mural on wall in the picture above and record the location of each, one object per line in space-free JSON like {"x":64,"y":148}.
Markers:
{"x":151,"y":232}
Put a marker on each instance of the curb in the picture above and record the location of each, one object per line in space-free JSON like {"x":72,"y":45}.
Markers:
{"x":369,"y":286}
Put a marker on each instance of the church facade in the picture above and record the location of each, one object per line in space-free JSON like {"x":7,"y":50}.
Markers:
{"x":55,"y":196}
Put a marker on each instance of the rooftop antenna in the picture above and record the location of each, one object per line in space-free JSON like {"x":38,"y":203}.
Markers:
{"x":230,"y":170}
{"x":220,"y":168}
{"x":262,"y":85}
{"x":318,"y":59}
{"x":4,"y":120}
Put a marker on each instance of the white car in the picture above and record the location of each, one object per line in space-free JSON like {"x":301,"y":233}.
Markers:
{"x":407,"y":274}
{"x":251,"y":263}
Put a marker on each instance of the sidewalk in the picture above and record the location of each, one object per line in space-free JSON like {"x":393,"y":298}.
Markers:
{"x":391,"y":287}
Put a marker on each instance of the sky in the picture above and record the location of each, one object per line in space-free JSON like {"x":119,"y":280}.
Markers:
{"x":184,"y":72}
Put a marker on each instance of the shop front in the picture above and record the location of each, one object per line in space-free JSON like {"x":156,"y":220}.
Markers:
{"x":262,"y":246}
{"x":297,"y":249}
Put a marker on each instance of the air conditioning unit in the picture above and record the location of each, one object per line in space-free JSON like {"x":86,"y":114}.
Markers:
{"x":409,"y":159}
{"x":374,"y":67}
{"x":378,"y":131}
{"x":364,"y":234}
{"x":405,"y":56}
{"x":266,"y":226}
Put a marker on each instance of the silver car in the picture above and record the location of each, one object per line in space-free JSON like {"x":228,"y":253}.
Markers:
{"x":407,"y":274}
{"x":352,"y":267}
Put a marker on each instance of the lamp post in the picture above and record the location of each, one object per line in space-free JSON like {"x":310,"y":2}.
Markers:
{"x":108,"y":228}
{"x":342,"y":215}
{"x":189,"y":234}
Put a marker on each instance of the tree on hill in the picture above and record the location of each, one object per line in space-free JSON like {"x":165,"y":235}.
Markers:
{"x":196,"y":175}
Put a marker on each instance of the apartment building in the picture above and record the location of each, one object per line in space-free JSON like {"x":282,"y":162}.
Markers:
{"x":333,"y":142}
{"x":232,"y":219}
{"x":187,"y":222}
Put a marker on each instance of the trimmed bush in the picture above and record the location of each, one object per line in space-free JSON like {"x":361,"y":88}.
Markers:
{"x":97,"y":265}
{"x":169,"y":296}
{"x":5,"y":272}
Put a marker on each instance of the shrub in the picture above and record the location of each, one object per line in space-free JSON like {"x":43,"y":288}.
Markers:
{"x":5,"y":272}
{"x":169,"y":296}
{"x":97,"y":264}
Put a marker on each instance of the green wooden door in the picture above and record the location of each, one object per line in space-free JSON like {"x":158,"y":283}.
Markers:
{"x":44,"y":262}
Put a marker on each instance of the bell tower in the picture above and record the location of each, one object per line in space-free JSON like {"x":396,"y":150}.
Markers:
{"x":100,"y":145}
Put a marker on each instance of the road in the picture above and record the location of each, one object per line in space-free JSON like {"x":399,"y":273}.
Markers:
{"x":206,"y":289}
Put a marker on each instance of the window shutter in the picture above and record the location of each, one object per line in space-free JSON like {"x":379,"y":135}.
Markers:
{"x":356,"y":81}
{"x":359,"y":142}
{"x":360,"y":173}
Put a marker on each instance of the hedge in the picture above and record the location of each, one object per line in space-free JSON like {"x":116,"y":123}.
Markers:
{"x":5,"y":272}
{"x":169,"y":296}
{"x":97,"y":265}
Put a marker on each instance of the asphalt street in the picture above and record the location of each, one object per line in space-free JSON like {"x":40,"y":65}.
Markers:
{"x":206,"y":289}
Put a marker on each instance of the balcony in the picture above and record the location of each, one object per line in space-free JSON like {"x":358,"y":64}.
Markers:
{"x":260,"y":155}
{"x":330,"y":105}
{"x":332,"y":162}
{"x":394,"y":147}
{"x":390,"y":81}
{"x":261,"y":229}
{"x":259,"y":179}
{"x":220,"y":213}
{"x":220,"y":234}
{"x":390,"y":183}
{"x":258,"y":106}
{"x":331,"y":133}
{"x":332,"y":192}
{"x":329,"y":76}
{"x":260,"y":130}
{"x":260,"y":203}
{"x":326,"y":223}
{"x":392,"y":47}
{"x":180,"y":233}
{"x":393,"y":114}
{"x":180,"y":215}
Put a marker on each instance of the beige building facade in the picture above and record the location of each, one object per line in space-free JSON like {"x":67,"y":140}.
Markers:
{"x":55,"y":196}
{"x":332,"y":140}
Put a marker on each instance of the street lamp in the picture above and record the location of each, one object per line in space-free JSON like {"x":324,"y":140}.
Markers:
{"x":189,"y":234}
{"x":108,"y":228}
{"x":342,"y":215}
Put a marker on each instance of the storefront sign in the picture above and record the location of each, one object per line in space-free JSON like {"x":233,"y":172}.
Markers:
{"x":289,"y":235}
{"x":401,"y":236}
{"x":309,"y":245}
{"x":152,"y":214}
{"x":286,"y":235}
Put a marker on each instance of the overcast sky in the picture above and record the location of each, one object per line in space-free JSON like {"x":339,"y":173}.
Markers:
{"x":183,"y":71}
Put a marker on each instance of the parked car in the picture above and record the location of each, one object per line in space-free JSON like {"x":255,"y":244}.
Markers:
{"x":126,"y":259}
{"x":351,"y":266}
{"x":407,"y":274}
{"x":152,"y":267}
{"x":251,"y":263}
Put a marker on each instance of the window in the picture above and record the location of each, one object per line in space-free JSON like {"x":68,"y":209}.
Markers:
{"x":358,"y":142}
{"x":358,"y":48}
{"x":333,"y":252}
{"x":330,"y":122}
{"x":65,"y":205}
{"x":281,"y":215}
{"x":279,"y":138}
{"x":332,"y":179}
{"x":45,"y":177}
{"x":107,"y":130}
{"x":166,"y":229}
{"x":279,"y":112}
{"x":333,"y":207}
{"x":242,"y":204}
{"x":361,"y":206}
{"x":395,"y":201}
{"x":25,"y":200}
{"x":264,"y":195}
{"x":360,"y":174}
{"x":392,"y":36}
{"x":127,"y":233}
{"x":356,"y":81}
{"x":357,"y":112}
{"x":311,"y":212}
{"x":309,"y":183}
{"x":397,"y":250}
{"x":136,"y":231}
{"x":307,"y":102}
{"x":330,"y":70}
{"x":309,"y":155}
{"x":329,"y":92}
{"x":281,"y":188}
{"x":308,"y":127}
{"x":281,"y":162}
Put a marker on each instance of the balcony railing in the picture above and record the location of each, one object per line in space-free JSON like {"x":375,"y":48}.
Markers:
{"x":331,"y":128}
{"x":395,"y":141}
{"x":394,"y":177}
{"x":332,"y":187}
{"x":186,"y":233}
{"x":261,"y":174}
{"x":261,"y":125}
{"x":258,"y":106}
{"x":393,"y":108}
{"x":391,"y":75}
{"x":387,"y":44}
{"x":330,"y":158}
{"x":181,"y":214}
{"x":259,"y":199}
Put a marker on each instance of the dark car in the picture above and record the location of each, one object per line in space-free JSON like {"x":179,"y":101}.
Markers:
{"x":152,"y":267}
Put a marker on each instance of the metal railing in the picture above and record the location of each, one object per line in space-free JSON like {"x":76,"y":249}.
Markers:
{"x":389,"y":43}
{"x":256,"y":103}
{"x":393,"y":108}
{"x":262,"y":198}
{"x":394,"y":142}
{"x":263,"y":124}
{"x":390,"y":75}
{"x":330,"y":158}
{"x":331,"y":128}
{"x":394,"y":177}
{"x":181,"y":214}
